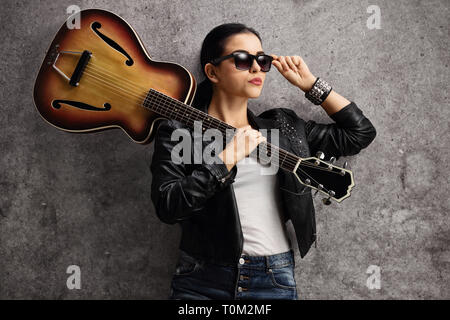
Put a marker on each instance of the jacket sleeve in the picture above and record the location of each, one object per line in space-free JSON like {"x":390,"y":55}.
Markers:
{"x":176,"y":194}
{"x":350,"y":133}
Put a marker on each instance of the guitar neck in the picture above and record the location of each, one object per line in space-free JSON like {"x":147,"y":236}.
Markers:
{"x":173,"y":109}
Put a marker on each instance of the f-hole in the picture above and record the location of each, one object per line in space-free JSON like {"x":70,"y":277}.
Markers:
{"x":97,"y":25}
{"x":80,"y":105}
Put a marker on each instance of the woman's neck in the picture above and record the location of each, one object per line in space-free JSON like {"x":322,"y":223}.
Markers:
{"x":229,"y":109}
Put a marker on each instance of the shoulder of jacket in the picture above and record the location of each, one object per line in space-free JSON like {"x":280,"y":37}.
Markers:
{"x":270,"y":113}
{"x":285,"y":113}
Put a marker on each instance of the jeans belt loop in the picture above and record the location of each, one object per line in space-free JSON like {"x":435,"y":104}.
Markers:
{"x":267,"y":264}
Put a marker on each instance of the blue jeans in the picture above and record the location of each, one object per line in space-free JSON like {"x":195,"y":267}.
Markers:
{"x":253,"y":278}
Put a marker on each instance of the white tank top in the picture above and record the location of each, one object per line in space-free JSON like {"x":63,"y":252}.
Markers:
{"x":259,"y":207}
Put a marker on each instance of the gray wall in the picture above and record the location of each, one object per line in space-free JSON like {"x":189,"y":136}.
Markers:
{"x":84,"y":200}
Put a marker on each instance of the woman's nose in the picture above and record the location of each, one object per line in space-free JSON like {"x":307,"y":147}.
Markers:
{"x":255,"y":66}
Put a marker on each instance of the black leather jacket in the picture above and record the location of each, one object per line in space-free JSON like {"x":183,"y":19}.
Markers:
{"x":201,"y":196}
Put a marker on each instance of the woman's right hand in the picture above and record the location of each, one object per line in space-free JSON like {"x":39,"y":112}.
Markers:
{"x":243,"y":143}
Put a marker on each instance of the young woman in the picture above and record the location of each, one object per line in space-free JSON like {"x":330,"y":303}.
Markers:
{"x":234,"y":241}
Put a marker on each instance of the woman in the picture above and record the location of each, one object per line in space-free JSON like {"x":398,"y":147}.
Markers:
{"x":234,"y":242}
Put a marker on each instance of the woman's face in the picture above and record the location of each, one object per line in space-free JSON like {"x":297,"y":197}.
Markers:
{"x":234,"y":81}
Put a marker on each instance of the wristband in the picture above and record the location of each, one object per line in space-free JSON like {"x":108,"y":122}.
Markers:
{"x":319,"y":92}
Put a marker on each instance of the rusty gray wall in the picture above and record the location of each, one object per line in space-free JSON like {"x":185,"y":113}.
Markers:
{"x":84,"y":200}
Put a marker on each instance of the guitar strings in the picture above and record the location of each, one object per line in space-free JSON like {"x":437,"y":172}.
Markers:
{"x":172,"y":104}
{"x":315,"y":167}
{"x":294,"y":160}
{"x":291,"y":163}
{"x":106,"y":72}
{"x":291,"y":159}
{"x":191,"y":119}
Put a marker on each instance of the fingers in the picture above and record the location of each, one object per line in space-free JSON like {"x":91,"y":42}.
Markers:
{"x":242,"y":129}
{"x":278,"y":65}
{"x":248,"y":131}
{"x":245,"y":141}
{"x":276,"y":62}
{"x":291,"y":64}
{"x":297,"y":60}
{"x":285,"y":63}
{"x":261,"y":139}
{"x":282,"y":63}
{"x":252,"y":132}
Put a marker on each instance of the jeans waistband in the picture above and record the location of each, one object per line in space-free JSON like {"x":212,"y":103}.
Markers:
{"x":272,"y":261}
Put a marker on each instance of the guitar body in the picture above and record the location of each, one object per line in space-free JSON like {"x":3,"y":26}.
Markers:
{"x":112,"y":83}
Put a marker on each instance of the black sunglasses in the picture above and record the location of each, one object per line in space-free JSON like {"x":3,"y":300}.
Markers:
{"x":244,"y":60}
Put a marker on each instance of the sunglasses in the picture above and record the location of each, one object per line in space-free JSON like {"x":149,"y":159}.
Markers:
{"x":244,"y":60}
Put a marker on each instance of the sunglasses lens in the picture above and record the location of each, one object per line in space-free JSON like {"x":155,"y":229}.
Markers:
{"x":265,"y":62}
{"x":242,"y":61}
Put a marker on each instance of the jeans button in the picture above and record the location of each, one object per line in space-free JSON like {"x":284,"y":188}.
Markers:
{"x":241,"y":261}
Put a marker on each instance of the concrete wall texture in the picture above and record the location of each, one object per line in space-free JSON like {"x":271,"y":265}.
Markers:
{"x":84,"y":200}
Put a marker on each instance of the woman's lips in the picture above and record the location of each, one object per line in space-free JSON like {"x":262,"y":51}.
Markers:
{"x":256,"y":81}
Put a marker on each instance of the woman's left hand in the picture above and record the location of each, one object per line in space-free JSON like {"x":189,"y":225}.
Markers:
{"x":295,"y":70}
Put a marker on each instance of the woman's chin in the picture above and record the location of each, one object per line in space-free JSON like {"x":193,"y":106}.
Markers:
{"x":254,"y":92}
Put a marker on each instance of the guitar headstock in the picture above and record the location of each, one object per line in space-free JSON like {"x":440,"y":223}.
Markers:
{"x":333,"y":181}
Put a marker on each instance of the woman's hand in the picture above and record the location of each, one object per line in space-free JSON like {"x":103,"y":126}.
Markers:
{"x":295,"y":70}
{"x":243,"y":143}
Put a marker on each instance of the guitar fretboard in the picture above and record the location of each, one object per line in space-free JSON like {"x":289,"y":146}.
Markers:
{"x":173,"y":109}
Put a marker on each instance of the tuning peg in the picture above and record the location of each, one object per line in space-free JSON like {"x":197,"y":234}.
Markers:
{"x":332,"y":161}
{"x":320,"y":155}
{"x":319,"y":187}
{"x":327,"y":201}
{"x":344,"y":166}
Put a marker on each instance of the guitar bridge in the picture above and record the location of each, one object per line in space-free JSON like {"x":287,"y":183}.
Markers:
{"x":74,"y":80}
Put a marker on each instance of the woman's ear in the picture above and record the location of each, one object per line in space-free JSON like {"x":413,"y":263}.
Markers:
{"x":210,"y":72}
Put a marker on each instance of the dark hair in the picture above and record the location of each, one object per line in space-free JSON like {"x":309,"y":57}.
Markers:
{"x":213,"y":47}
